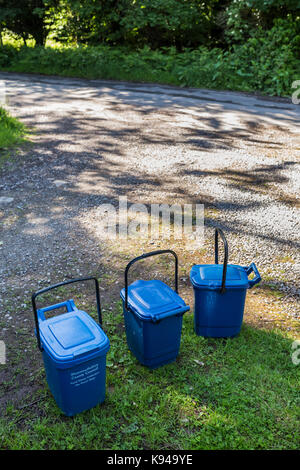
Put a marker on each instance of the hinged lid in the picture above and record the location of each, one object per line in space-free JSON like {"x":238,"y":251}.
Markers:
{"x":73,"y":334}
{"x":152,"y":299}
{"x":210,"y":276}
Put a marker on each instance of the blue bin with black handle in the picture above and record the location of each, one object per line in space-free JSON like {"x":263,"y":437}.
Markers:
{"x":153,"y":314}
{"x":74,"y":349}
{"x":220,"y":293}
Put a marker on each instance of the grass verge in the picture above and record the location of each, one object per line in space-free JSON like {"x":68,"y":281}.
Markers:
{"x":12,"y":133}
{"x":239,"y":393}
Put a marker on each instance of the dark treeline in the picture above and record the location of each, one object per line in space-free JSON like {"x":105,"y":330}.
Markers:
{"x":137,"y":23}
{"x":251,"y":45}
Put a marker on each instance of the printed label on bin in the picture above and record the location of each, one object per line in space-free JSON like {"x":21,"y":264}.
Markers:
{"x":84,"y":375}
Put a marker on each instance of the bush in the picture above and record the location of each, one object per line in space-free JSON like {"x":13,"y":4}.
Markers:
{"x":8,"y":55}
{"x":267,"y":62}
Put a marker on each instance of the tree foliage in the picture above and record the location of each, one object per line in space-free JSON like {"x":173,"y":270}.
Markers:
{"x":27,"y":18}
{"x":138,"y":23}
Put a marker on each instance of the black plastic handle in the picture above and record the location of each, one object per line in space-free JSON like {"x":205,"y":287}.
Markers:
{"x":220,"y":232}
{"x":146,"y":255}
{"x":54,"y":286}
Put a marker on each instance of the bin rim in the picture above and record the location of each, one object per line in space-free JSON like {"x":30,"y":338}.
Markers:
{"x":177,"y":305}
{"x":215,"y":284}
{"x":97,"y":346}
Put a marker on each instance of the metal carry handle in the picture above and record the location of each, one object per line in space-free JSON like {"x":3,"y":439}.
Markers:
{"x":257,"y":278}
{"x":146,"y":255}
{"x":220,"y":232}
{"x":62,"y":304}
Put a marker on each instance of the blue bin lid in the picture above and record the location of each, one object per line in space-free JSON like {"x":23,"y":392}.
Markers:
{"x":150,"y":300}
{"x":210,"y":276}
{"x":72,"y":336}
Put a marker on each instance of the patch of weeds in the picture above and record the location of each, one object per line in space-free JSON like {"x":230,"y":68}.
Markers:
{"x":212,"y":212}
{"x":270,"y":289}
{"x":289,"y":199}
{"x":284,"y":259}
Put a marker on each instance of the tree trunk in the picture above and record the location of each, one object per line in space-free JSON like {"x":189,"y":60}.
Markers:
{"x":24,"y":39}
{"x":40,"y":38}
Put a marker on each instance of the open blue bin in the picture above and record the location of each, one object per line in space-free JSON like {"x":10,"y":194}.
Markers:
{"x":153,"y":317}
{"x":220,"y":293}
{"x":74,"y":349}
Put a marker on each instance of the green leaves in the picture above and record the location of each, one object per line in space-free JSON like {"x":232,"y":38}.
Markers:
{"x":268,"y":62}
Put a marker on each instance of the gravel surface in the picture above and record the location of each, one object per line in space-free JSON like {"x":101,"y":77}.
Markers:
{"x":94,"y":141}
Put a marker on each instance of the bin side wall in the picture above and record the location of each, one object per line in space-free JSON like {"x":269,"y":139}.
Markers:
{"x":153,"y":344}
{"x":77,"y":388}
{"x":217,"y":314}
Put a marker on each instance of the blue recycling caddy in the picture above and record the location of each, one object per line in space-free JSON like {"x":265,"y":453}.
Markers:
{"x":74,"y":349}
{"x":153,"y":317}
{"x":220,"y":293}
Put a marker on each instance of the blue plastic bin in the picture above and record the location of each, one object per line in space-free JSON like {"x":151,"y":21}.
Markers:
{"x":153,"y":317}
{"x":74,"y":349}
{"x":220,"y":293}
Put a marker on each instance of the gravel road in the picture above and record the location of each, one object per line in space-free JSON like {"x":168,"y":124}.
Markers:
{"x":95,"y":140}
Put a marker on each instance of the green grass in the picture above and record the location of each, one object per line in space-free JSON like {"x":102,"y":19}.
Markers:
{"x":12,"y":134}
{"x":12,"y":131}
{"x":245,"y":395}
